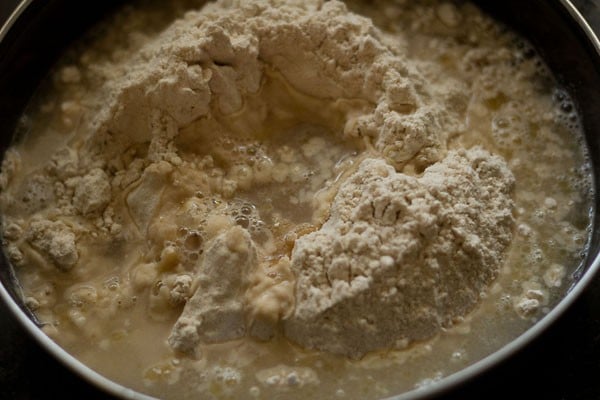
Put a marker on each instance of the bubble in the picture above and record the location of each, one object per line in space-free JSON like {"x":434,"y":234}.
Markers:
{"x":566,"y":106}
{"x":458,"y":355}
{"x":182,"y":232}
{"x":193,"y":241}
{"x":156,"y":287}
{"x":524,"y":51}
{"x":242,"y":221}
{"x":579,"y":239}
{"x":559,"y":95}
{"x":112,"y":283}
{"x":501,"y":123}
{"x":242,"y":209}
{"x":246,"y":209}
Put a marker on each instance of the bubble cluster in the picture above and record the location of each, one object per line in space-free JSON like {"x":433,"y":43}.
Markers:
{"x":508,"y":129}
{"x":248,"y":161}
{"x":524,"y":51}
{"x":525,"y":55}
{"x":565,"y":110}
{"x":191,"y":242}
{"x":246,"y":215}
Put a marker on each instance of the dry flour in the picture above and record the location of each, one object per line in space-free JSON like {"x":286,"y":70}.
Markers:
{"x":401,"y":257}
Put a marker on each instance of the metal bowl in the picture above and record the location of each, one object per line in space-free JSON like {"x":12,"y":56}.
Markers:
{"x":38,"y":31}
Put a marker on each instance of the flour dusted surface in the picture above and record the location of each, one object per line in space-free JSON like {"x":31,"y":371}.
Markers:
{"x":264,"y":192}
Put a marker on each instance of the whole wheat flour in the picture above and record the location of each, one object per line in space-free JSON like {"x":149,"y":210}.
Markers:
{"x":400,"y":257}
{"x":214,"y":64}
{"x":283,"y":178}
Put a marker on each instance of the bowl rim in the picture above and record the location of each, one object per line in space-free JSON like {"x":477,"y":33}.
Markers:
{"x":61,"y":355}
{"x":487,"y":363}
{"x":34,"y":330}
{"x":436,"y":388}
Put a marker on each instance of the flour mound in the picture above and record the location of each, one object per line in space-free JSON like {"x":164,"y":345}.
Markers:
{"x":211,"y":61}
{"x":401,"y":257}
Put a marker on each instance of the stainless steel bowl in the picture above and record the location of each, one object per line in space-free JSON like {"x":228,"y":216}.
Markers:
{"x":37,"y":32}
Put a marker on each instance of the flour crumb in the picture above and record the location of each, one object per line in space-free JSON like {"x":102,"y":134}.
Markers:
{"x":287,"y":378}
{"x":55,"y":240}
{"x":531,"y":300}
{"x":92,"y":193}
{"x":554,"y":275}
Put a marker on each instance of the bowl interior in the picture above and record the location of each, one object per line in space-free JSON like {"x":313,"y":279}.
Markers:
{"x":45,"y":28}
{"x":565,"y":45}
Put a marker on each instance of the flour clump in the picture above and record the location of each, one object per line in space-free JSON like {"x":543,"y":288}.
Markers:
{"x":215,"y":313}
{"x":401,"y":257}
{"x":55,"y":240}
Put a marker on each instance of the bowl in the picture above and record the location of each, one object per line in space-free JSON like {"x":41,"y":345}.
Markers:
{"x":37,"y":32}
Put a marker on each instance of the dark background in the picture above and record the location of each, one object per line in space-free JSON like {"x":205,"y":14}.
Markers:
{"x":562,"y":364}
